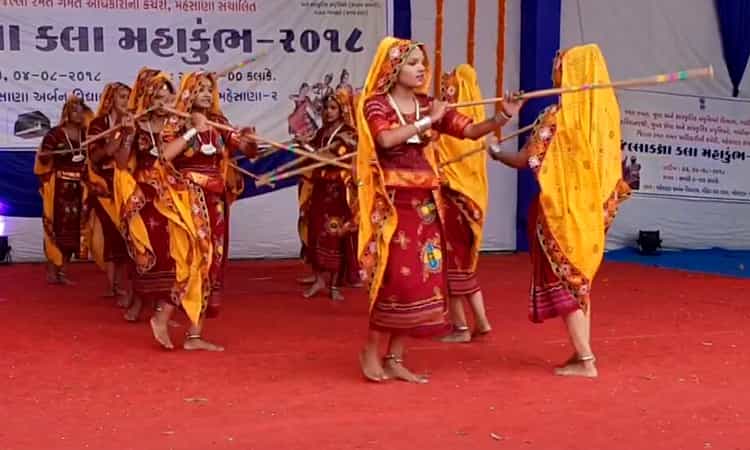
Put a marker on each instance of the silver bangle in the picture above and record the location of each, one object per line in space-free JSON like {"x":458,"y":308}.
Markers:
{"x":189,"y":134}
{"x":423,"y":124}
{"x":495,"y":148}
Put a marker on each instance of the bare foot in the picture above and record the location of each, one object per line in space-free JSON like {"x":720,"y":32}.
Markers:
{"x":314,"y":289}
{"x":457,"y":337}
{"x":52,"y":275}
{"x":196,"y":343}
{"x":336,"y":295}
{"x":585,"y":369}
{"x":394,"y":368}
{"x":371,"y":368}
{"x":482,"y":329}
{"x":62,"y":279}
{"x":572,"y":360}
{"x":134,"y":310}
{"x":161,"y":334}
{"x":125,"y":300}
{"x":307,"y":280}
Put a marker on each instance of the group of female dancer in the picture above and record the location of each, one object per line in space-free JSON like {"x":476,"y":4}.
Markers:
{"x":405,"y":215}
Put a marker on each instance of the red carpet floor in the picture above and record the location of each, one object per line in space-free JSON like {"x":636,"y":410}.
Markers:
{"x":673,"y":348}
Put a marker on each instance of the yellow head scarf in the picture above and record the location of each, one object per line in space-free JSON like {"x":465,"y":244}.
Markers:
{"x":149,"y":88}
{"x":72,"y":102}
{"x":138,"y":87}
{"x":107,"y":100}
{"x":189,"y":90}
{"x":467,"y":177}
{"x":581,"y":172}
{"x":377,"y":216}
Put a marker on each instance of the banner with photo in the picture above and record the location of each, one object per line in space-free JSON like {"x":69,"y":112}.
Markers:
{"x":685,"y":146}
{"x":281,"y":56}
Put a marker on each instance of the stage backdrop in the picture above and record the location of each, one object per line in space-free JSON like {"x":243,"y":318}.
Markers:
{"x":686,"y":146}
{"x":298,"y":51}
{"x":61,"y":46}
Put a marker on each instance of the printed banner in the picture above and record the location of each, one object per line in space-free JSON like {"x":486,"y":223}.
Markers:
{"x":684,"y":146}
{"x":295,"y":52}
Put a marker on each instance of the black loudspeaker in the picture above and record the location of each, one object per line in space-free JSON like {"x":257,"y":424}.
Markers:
{"x":649,"y":242}
{"x":4,"y":250}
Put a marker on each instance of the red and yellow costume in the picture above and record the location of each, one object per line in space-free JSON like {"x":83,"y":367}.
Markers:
{"x":106,"y":242}
{"x":327,"y":209}
{"x":205,"y":166}
{"x":465,"y":187}
{"x":166,"y":234}
{"x":401,"y":244}
{"x":575,"y":155}
{"x":61,"y":177}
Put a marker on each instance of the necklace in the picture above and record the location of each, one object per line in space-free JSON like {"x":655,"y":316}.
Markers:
{"x":207,"y":149}
{"x":414,"y":139}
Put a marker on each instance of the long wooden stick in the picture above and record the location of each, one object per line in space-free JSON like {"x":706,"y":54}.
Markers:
{"x":242,"y":170}
{"x":224,"y":72}
{"x":283,"y":167}
{"x":283,"y":176}
{"x":301,"y":159}
{"x":684,"y":75}
{"x":94,"y":138}
{"x":63,"y":152}
{"x":292,"y":149}
{"x":474,"y":151}
{"x":263,"y":151}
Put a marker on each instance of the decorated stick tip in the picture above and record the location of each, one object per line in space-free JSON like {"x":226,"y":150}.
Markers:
{"x":711,"y":71}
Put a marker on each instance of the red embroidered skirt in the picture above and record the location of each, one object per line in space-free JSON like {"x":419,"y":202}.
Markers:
{"x":328,"y":213}
{"x":156,"y":284}
{"x":411,"y":299}
{"x":67,"y":216}
{"x":462,"y":280}
{"x":114,"y":245}
{"x":549,"y":297}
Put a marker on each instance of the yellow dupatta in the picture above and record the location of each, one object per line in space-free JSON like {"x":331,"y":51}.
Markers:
{"x":47,"y":179}
{"x":580,"y":173}
{"x":467,"y":177}
{"x":377,"y":214}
